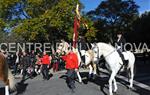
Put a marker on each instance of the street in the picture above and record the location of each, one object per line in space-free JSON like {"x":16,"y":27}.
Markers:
{"x":57,"y":86}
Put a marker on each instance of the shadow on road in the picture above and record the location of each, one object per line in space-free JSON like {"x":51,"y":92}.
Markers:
{"x":100,"y":81}
{"x":21,"y":87}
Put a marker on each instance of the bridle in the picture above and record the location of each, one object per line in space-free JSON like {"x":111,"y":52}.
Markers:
{"x":104,"y":56}
{"x":97,"y":56}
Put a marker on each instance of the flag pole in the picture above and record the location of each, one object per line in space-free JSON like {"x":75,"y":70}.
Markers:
{"x":76,"y":26}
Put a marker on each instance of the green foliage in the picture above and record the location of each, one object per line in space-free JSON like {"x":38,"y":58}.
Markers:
{"x":115,"y":15}
{"x":90,"y":33}
{"x":2,"y":24}
{"x":38,"y":20}
{"x":47,"y":20}
{"x":141,"y":29}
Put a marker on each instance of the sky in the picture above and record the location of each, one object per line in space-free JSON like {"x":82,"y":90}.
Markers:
{"x":92,"y":4}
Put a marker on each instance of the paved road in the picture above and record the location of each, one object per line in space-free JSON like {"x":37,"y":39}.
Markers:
{"x":57,"y":86}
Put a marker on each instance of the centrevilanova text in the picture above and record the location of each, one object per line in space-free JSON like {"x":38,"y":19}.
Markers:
{"x":14,"y":47}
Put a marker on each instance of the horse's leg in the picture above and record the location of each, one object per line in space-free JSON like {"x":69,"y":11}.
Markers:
{"x":94,"y":71}
{"x":79,"y":77}
{"x":132,"y":75}
{"x":113,"y":74}
{"x":90,"y":71}
{"x":115,"y":85}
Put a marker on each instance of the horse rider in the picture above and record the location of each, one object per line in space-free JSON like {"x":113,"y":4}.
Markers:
{"x":120,"y":45}
{"x":71,"y":60}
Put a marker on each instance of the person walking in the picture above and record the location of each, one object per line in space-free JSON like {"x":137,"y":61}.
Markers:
{"x":25,"y":64}
{"x":71,"y":60}
{"x":45,"y":65}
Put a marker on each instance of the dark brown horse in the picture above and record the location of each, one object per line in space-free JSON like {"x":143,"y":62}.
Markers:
{"x":6,"y":75}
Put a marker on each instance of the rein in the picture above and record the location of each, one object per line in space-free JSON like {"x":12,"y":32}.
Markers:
{"x":106,"y":55}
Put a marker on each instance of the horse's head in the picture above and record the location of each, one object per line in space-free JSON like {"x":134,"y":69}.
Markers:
{"x":96,"y":53}
{"x":62,"y":47}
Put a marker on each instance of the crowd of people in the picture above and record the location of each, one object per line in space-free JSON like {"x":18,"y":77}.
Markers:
{"x":28,"y":65}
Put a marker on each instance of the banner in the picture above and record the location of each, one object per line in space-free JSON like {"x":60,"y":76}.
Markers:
{"x":75,"y":34}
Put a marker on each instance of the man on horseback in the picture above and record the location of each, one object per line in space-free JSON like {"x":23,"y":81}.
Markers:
{"x":120,"y":45}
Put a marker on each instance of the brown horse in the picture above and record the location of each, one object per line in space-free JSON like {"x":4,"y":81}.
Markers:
{"x":6,"y":75}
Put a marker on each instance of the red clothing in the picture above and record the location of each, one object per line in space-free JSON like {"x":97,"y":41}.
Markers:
{"x":71,"y":60}
{"x":45,"y":59}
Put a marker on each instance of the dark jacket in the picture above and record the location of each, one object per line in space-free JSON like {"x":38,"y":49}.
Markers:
{"x":25,"y":60}
{"x":121,"y":41}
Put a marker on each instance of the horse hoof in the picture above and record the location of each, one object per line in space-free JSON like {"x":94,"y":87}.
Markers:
{"x":130,"y":87}
{"x":114,"y":92}
{"x":81,"y":82}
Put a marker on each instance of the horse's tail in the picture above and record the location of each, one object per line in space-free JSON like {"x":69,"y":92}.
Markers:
{"x":11,"y":80}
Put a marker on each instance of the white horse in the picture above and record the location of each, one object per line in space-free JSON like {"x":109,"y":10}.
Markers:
{"x":114,"y":61}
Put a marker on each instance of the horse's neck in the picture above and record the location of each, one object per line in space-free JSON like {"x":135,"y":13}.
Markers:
{"x":106,"y":49}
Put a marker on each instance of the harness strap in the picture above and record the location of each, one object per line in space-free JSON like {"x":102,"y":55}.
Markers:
{"x":108,"y":55}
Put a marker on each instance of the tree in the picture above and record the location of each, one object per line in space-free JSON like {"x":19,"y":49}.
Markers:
{"x":113,"y":16}
{"x":39,"y":20}
{"x":140,"y":29}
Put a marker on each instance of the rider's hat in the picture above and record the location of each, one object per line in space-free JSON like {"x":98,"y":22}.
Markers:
{"x":119,"y":33}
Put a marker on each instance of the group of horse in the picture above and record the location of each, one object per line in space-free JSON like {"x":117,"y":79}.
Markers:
{"x":92,"y":57}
